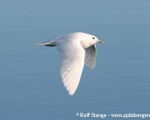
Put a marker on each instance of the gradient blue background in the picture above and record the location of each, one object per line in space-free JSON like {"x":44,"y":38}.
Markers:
{"x":30,"y":82}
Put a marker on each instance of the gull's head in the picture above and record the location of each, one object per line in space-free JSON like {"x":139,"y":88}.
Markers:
{"x":96,"y":40}
{"x":89,"y":40}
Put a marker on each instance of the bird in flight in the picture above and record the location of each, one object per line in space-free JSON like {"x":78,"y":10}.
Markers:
{"x":76,"y":49}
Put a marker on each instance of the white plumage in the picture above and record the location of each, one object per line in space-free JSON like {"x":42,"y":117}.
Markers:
{"x":76,"y":49}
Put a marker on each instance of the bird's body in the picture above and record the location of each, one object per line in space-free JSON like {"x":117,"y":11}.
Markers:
{"x":76,"y":49}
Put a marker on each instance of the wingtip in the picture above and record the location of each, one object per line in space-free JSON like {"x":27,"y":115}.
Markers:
{"x":71,"y":94}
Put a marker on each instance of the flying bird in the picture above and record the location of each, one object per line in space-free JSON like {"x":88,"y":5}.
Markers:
{"x":76,"y":49}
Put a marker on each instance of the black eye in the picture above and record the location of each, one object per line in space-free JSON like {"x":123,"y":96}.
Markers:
{"x":93,"y":37}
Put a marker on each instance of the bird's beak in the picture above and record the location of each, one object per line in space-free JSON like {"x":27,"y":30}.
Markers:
{"x":100,"y":41}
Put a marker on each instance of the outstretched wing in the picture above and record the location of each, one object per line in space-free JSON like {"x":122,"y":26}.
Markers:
{"x":90,"y":56}
{"x":72,"y":56}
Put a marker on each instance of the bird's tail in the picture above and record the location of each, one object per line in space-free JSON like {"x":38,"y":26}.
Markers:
{"x":39,"y":44}
{"x":48,"y":43}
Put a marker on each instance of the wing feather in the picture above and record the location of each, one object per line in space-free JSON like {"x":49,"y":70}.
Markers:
{"x":72,"y":65}
{"x":90,"y":56}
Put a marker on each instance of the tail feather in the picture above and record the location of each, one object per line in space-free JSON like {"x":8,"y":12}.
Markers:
{"x":48,"y":43}
{"x":39,"y":44}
